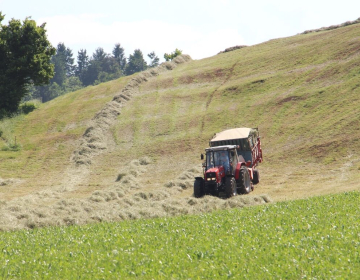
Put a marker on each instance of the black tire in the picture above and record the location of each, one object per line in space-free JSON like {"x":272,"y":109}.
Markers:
{"x":199,"y":188}
{"x":256,"y":177}
{"x":244,"y":181}
{"x":230,"y":187}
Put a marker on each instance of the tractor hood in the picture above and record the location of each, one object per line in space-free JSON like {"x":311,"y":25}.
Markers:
{"x":217,"y":169}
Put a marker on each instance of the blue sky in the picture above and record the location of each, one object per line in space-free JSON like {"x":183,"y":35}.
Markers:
{"x":199,"y":28}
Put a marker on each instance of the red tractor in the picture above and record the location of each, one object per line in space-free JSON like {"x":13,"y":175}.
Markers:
{"x":230,"y":165}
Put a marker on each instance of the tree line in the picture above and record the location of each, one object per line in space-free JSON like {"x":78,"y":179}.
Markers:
{"x":89,"y":70}
{"x":32,"y":68}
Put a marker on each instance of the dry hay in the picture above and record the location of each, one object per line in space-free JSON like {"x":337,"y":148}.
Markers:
{"x":125,"y":200}
{"x":185,"y":180}
{"x":332,"y":26}
{"x":94,"y":140}
{"x":110,"y":206}
{"x":9,"y":181}
{"x":233,"y":48}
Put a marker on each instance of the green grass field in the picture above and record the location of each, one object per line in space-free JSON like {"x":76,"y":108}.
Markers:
{"x":316,"y":238}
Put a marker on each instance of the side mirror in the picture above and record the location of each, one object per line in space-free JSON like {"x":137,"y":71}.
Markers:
{"x":202,"y":156}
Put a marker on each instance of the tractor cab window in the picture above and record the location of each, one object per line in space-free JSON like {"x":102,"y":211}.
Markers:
{"x":210,"y":160}
{"x":222,"y":159}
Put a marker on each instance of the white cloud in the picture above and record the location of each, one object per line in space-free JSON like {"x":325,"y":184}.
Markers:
{"x":89,"y":32}
{"x":213,"y":42}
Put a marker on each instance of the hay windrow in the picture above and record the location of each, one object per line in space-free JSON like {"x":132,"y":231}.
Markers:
{"x":185,"y":180}
{"x":126,"y":199}
{"x":233,"y":48}
{"x":110,"y":207}
{"x":10,"y":181}
{"x":347,"y":23}
{"x":94,"y":139}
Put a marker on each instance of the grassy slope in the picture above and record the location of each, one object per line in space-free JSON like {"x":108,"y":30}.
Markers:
{"x":302,"y":92}
{"x":48,"y":136}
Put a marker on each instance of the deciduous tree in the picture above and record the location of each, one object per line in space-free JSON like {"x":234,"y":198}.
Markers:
{"x":25,"y":55}
{"x":172,"y":55}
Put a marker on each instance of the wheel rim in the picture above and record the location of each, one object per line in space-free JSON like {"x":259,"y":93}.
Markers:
{"x":247,"y":181}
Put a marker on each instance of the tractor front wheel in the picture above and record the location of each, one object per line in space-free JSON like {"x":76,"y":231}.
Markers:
{"x":199,"y":188}
{"x":230,"y":187}
{"x":244,"y":181}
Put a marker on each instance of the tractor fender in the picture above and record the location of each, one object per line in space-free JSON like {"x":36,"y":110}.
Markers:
{"x":237,"y":171}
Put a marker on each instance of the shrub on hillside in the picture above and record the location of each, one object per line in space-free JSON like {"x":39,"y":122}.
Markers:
{"x":11,"y":147}
{"x":27,"y":108}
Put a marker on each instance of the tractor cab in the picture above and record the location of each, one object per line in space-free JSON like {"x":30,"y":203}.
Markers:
{"x":222,"y":156}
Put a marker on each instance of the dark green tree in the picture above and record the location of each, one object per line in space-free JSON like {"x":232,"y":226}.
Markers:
{"x":64,"y":57}
{"x":99,"y":54}
{"x":67,"y":56}
{"x":59,"y":70}
{"x":110,"y":70}
{"x":60,"y":67}
{"x":72,"y":84}
{"x":101,"y":62}
{"x":48,"y":92}
{"x":172,"y":55}
{"x":154,"y":59}
{"x":136,"y":63}
{"x":111,"y":66}
{"x":64,"y":70}
{"x":119,"y":54}
{"x":91,"y":73}
{"x":25,"y":56}
{"x":82,"y":64}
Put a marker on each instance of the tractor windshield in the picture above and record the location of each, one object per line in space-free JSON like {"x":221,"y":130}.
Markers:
{"x":218,"y":158}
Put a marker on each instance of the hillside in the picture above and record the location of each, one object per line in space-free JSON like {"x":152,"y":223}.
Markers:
{"x":81,"y":154}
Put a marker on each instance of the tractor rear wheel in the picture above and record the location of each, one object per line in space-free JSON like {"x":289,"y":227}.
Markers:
{"x":256,"y":177}
{"x":230,"y":187}
{"x":199,"y":188}
{"x":244,"y":181}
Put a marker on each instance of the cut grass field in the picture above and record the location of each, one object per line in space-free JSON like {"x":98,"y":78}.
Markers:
{"x":302,"y":92}
{"x":315,"y":238}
